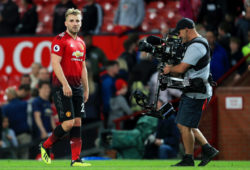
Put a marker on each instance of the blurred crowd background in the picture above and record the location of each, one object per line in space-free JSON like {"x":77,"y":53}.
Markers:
{"x":28,"y":114}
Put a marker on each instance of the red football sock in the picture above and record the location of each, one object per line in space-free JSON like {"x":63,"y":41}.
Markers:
{"x":57,"y":134}
{"x":76,"y":147}
{"x":50,"y":141}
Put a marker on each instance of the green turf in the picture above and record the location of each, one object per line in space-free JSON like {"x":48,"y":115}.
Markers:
{"x":121,"y":165}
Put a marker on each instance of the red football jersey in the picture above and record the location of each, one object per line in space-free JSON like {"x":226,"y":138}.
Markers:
{"x":73,"y":53}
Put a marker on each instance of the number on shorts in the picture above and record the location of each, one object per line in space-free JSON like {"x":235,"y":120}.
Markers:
{"x":82,"y":110}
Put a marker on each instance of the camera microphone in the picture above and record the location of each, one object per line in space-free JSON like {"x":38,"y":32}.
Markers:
{"x":154,"y":40}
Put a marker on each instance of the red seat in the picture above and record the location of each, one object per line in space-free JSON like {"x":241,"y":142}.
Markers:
{"x":45,"y":17}
{"x":3,"y":82}
{"x":14,"y":81}
{"x":156,"y":5}
{"x":107,"y":27}
{"x":174,"y":5}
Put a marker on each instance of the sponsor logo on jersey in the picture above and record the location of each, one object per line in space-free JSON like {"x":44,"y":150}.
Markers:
{"x":77,"y":54}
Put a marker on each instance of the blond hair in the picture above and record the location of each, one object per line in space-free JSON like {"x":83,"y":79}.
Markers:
{"x":72,"y":11}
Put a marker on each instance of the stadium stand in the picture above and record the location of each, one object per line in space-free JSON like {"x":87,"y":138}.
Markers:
{"x":159,"y":14}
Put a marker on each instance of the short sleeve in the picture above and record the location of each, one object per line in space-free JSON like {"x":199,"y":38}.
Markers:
{"x":82,"y":48}
{"x":194,"y":53}
{"x":84,"y":51}
{"x":35,"y":106}
{"x":57,"y":46}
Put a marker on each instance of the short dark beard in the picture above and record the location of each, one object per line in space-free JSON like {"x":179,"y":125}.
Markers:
{"x":73,"y":33}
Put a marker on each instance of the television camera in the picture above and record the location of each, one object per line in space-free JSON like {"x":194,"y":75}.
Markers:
{"x":167,"y":51}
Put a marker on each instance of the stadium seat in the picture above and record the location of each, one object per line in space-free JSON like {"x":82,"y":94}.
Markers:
{"x":45,"y":17}
{"x":156,"y":5}
{"x":107,"y":27}
{"x":3,"y":82}
{"x":14,"y":81}
{"x":174,"y":5}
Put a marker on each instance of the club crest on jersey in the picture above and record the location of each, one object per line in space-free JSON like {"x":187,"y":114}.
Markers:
{"x":77,"y":54}
{"x":56,"y":48}
{"x":68,"y":114}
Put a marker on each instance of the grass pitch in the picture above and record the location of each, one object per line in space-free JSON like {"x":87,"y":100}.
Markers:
{"x":121,"y":165}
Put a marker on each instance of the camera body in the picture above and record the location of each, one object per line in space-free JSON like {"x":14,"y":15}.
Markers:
{"x":168,"y":51}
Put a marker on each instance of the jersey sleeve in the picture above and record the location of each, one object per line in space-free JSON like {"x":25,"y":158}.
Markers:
{"x":57,"y":46}
{"x":84,"y":50}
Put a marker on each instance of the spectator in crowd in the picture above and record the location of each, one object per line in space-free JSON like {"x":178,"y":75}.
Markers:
{"x":92,"y":107}
{"x":234,"y":8}
{"x":139,"y":73}
{"x":25,"y":79}
{"x":29,"y":19}
{"x":95,"y":57}
{"x":236,"y":56}
{"x":230,"y":22}
{"x":35,"y":67}
{"x":246,"y":48}
{"x":16,"y":111}
{"x":219,"y":64}
{"x":130,"y":53}
{"x":42,"y":116}
{"x":224,"y":36}
{"x":164,"y":144}
{"x":9,"y":139}
{"x":42,"y":112}
{"x":8,"y":134}
{"x":23,"y":92}
{"x":189,"y":8}
{"x":108,"y":87}
{"x":211,"y":14}
{"x":43,"y":74}
{"x":59,"y":15}
{"x":129,"y":15}
{"x":92,"y":17}
{"x":118,"y":104}
{"x":242,"y":27}
{"x":9,"y":17}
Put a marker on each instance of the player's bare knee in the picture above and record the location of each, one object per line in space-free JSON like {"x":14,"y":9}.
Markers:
{"x":195,"y":130}
{"x":183,"y":128}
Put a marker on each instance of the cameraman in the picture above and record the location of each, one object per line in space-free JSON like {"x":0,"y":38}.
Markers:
{"x":190,"y":107}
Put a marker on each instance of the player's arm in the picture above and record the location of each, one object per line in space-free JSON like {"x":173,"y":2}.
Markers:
{"x":85,"y":82}
{"x":39,"y":123}
{"x":55,"y":59}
